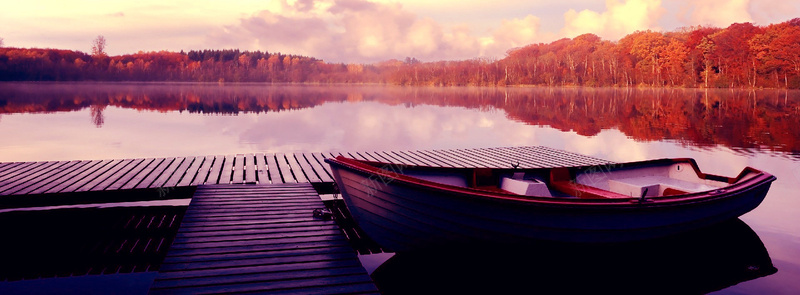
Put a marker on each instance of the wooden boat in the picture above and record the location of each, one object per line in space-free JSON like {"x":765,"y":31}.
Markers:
{"x":406,"y":208}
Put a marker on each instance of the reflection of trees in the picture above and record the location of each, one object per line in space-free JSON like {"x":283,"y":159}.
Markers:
{"x":738,"y":119}
{"x":97,"y":115}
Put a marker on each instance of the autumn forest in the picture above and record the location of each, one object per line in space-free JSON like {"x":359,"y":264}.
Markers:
{"x":741,"y":55}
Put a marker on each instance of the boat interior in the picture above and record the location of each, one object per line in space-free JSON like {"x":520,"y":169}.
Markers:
{"x":616,"y":181}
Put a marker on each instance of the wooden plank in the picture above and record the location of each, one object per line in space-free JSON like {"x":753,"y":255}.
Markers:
{"x":60,"y":178}
{"x":131,"y":168}
{"x":193,"y":172}
{"x":83,"y":177}
{"x":456,"y":158}
{"x":368,"y":156}
{"x":23,"y":171}
{"x":162,"y":179}
{"x":318,"y":168}
{"x":422,"y":159}
{"x":124,"y":179}
{"x":239,"y":167}
{"x":405,"y":158}
{"x":286,"y":170}
{"x":216,"y":170}
{"x":380,"y":157}
{"x":268,"y":253}
{"x":227,"y":170}
{"x":16,"y":169}
{"x":143,"y":173}
{"x":274,"y":170}
{"x":503,"y":160}
{"x":481,"y":159}
{"x":530,"y":159}
{"x":251,"y":170}
{"x":151,"y":177}
{"x":45,"y":178}
{"x":180,"y":172}
{"x":202,"y":172}
{"x":441,"y":158}
{"x":30,"y":178}
{"x":95,"y":179}
{"x":305,"y":167}
{"x":4,"y":165}
{"x":262,"y":170}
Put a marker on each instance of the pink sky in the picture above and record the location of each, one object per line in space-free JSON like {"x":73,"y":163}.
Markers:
{"x":359,"y":30}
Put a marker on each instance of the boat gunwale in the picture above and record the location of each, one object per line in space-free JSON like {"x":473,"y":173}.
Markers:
{"x":735,"y":187}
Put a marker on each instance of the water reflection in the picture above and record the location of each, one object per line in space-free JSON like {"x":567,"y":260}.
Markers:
{"x":744,"y":120}
{"x":697,"y":262}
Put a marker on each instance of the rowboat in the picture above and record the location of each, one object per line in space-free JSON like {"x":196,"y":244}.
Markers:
{"x":406,"y":207}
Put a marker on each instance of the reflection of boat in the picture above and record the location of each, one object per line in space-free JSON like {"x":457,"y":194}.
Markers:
{"x":694,"y":262}
{"x":410,"y":207}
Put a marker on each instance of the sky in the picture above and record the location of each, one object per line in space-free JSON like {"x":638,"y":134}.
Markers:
{"x":359,"y":31}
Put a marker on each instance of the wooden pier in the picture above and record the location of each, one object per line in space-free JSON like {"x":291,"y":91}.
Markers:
{"x":259,"y":238}
{"x":250,"y":224}
{"x":58,"y":177}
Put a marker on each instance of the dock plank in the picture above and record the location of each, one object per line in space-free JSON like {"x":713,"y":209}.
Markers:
{"x":171,"y":169}
{"x":202,"y":172}
{"x":318,"y":167}
{"x":272,"y":253}
{"x":440,"y":158}
{"x":30,"y":178}
{"x":239,"y":166}
{"x":62,"y":177}
{"x":227,"y":170}
{"x":145,"y":172}
{"x":130,"y":168}
{"x":106,"y":175}
{"x":81,"y":178}
{"x":251,"y":169}
{"x":193,"y":172}
{"x":304,"y":167}
{"x":216,"y":170}
{"x":19,"y":168}
{"x":275,"y":175}
{"x":24,"y":171}
{"x":286,"y":170}
{"x":43,"y":179}
{"x":262,"y":174}
{"x":21,"y":178}
{"x":180,"y":172}
{"x":159,"y":171}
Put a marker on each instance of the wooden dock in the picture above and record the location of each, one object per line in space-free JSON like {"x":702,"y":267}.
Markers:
{"x":58,"y":177}
{"x":259,"y":238}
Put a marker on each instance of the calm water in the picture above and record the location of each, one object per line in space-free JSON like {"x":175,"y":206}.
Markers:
{"x":724,"y":130}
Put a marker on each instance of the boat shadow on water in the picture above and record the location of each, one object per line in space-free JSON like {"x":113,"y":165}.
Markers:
{"x":700,"y":261}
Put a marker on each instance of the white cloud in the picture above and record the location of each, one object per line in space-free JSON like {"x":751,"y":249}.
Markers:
{"x":364,"y":31}
{"x":720,"y":13}
{"x":347,"y":30}
{"x":619,"y":19}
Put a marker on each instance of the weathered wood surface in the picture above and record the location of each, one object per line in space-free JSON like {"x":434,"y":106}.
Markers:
{"x":21,"y":178}
{"x":259,"y":239}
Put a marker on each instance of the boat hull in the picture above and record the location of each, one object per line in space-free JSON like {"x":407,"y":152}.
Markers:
{"x":406,"y":216}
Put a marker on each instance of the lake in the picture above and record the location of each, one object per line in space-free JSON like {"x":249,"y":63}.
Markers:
{"x":724,"y":130}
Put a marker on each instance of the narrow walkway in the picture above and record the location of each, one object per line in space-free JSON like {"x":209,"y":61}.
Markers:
{"x":36,"y":178}
{"x":259,"y":239}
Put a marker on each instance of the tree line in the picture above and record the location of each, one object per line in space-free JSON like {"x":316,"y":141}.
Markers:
{"x":741,"y":55}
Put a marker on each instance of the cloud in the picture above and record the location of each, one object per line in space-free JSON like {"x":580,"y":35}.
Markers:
{"x":364,"y":31}
{"x":619,"y":19}
{"x":512,"y":33}
{"x":348,"y":31}
{"x":720,"y":13}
